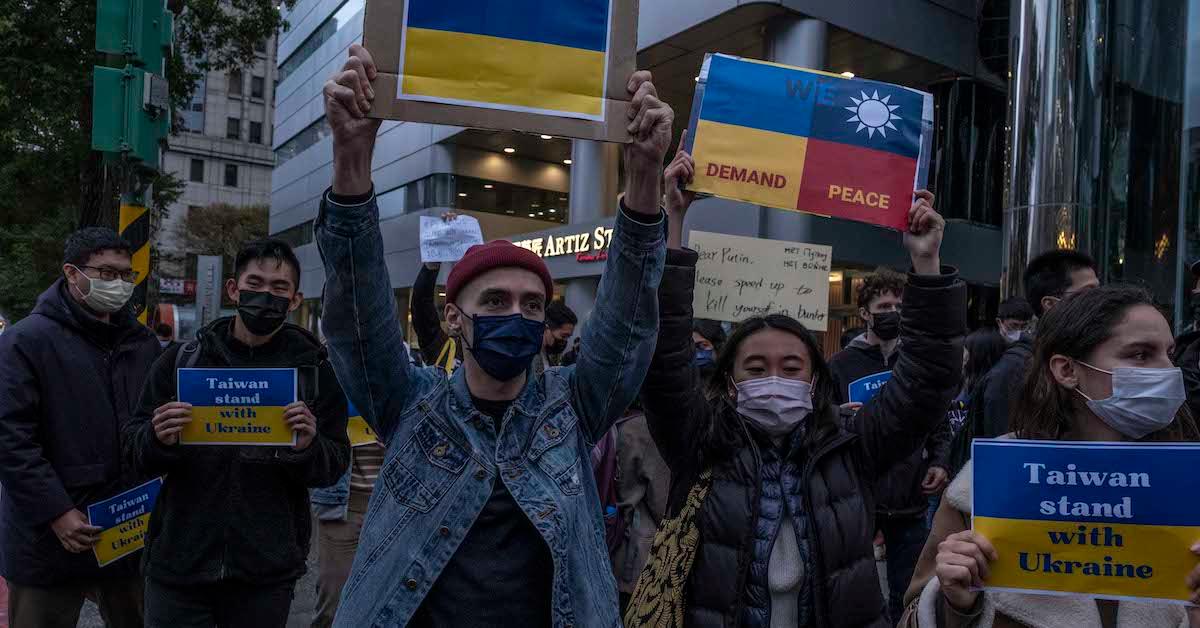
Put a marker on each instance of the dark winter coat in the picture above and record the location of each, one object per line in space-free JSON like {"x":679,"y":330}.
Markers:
{"x":1187,"y":358}
{"x":67,"y":383}
{"x":988,"y":414}
{"x":238,"y":512}
{"x":898,"y":492}
{"x":837,"y":465}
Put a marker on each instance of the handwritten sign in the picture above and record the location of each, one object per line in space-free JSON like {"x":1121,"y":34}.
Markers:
{"x":237,"y":406}
{"x":123,"y":520}
{"x":1104,"y":519}
{"x":448,"y":240}
{"x":357,"y":429}
{"x":739,"y":277}
{"x":798,"y":139}
{"x":864,"y":389}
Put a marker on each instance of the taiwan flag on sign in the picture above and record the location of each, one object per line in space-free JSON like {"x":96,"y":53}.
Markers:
{"x":799,"y":139}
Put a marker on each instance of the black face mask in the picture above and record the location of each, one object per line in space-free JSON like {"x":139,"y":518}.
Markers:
{"x":886,"y":325}
{"x":262,"y":312}
{"x":558,"y":347}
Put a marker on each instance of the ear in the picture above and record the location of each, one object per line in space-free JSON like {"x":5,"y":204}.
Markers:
{"x":231,"y":290}
{"x":864,"y":314}
{"x":454,"y":321}
{"x":1048,"y":303}
{"x":297,"y":299}
{"x":1063,"y":370}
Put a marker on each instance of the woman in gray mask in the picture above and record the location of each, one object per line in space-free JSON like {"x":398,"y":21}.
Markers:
{"x":1101,"y":371}
{"x":770,"y":516}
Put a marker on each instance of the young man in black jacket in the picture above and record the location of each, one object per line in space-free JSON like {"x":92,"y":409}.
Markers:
{"x":230,"y":532}
{"x":903,"y":491}
{"x":70,"y":375}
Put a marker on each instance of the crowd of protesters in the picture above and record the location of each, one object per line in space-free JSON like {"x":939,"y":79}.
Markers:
{"x":653,"y":469}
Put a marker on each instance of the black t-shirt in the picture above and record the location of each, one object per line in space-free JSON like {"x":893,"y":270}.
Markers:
{"x":502,"y":573}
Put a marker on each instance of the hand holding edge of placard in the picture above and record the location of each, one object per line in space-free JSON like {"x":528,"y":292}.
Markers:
{"x":348,"y":96}
{"x":169,"y":420}
{"x":74,"y":531}
{"x":677,"y":199}
{"x":650,"y":121}
{"x":923,"y":239}
{"x":962,"y":567}
{"x":301,"y":421}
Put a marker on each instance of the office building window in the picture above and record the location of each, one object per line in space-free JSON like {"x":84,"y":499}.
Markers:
{"x":235,"y":83}
{"x":256,"y":132}
{"x":298,"y":235}
{"x":231,"y":175}
{"x":233,"y":128}
{"x":197,"y":171}
{"x":312,"y":134}
{"x":257,"y":85}
{"x":197,"y":106}
{"x":327,"y":29}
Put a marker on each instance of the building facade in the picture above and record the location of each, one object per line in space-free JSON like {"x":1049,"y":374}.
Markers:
{"x":556,"y":196}
{"x":223,"y":151}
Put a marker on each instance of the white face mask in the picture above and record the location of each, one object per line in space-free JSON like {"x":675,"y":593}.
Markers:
{"x":1012,"y":336}
{"x":1143,"y":401}
{"x":103,"y":296}
{"x":775,"y":404}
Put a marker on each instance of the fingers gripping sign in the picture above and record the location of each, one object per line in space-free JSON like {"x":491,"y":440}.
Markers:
{"x":348,"y":97}
{"x":300,"y":418}
{"x":962,"y":567}
{"x":923,"y":239}
{"x":169,"y":420}
{"x":649,"y":123}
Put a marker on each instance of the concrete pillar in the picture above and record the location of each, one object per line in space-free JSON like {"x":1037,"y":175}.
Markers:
{"x":593,"y":196}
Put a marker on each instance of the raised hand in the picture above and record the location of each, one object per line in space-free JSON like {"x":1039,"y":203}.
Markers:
{"x":923,"y":239}
{"x":650,"y":121}
{"x":348,"y":97}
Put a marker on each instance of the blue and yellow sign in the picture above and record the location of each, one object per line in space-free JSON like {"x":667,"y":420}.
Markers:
{"x":537,"y":56}
{"x":357,"y":429}
{"x":1110,"y":520}
{"x":864,"y":389}
{"x":124,"y":520}
{"x":237,"y":406}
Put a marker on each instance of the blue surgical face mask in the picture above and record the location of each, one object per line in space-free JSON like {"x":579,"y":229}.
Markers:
{"x":704,"y":357}
{"x":504,"y":346}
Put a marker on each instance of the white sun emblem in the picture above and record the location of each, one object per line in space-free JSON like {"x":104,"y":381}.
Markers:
{"x":873,"y":114}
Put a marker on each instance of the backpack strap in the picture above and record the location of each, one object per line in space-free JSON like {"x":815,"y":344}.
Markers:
{"x":188,"y":355}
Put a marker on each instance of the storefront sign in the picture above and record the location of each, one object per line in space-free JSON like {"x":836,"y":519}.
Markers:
{"x":739,"y":277}
{"x":237,"y":406}
{"x":123,"y":521}
{"x":797,"y":139}
{"x":578,"y":244}
{"x":1111,"y":520}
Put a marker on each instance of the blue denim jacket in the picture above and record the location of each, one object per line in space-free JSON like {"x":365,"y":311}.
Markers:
{"x":443,"y":455}
{"x":330,"y":503}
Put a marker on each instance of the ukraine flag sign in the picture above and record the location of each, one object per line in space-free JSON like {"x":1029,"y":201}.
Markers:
{"x":1112,"y":520}
{"x":123,"y":520}
{"x":534,"y":56}
{"x":799,"y":139}
{"x":237,"y":406}
{"x":357,"y":429}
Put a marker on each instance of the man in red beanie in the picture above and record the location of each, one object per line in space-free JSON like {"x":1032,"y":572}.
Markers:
{"x":490,"y":514}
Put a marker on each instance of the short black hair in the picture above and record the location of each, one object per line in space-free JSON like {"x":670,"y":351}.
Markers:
{"x":86,"y":242}
{"x":1016,"y":308}
{"x":266,"y":248}
{"x":558,"y":314}
{"x":711,"y":330}
{"x":1049,"y":274}
{"x":163,"y":329}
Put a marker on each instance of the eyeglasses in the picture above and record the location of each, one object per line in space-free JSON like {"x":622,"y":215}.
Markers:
{"x":108,"y":274}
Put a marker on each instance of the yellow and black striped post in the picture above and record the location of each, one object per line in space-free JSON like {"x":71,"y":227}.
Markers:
{"x":135,"y":228}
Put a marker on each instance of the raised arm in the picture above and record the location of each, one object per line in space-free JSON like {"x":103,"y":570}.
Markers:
{"x":360,"y":319}
{"x":619,"y":337}
{"x":425,"y":317}
{"x":926,"y":376}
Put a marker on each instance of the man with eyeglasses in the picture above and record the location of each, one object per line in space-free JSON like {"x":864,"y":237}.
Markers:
{"x":70,"y":374}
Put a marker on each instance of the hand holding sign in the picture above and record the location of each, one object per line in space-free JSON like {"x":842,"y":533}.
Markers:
{"x":169,"y":421}
{"x":678,"y":174}
{"x":74,"y":532}
{"x":962,"y":565}
{"x":923,"y":239}
{"x":446,"y":239}
{"x":348,"y":97}
{"x":303,"y":423}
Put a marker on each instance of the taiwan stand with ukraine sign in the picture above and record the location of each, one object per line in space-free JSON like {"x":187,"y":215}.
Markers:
{"x":123,"y":521}
{"x":821,"y":143}
{"x":237,"y":406}
{"x":1112,"y":520}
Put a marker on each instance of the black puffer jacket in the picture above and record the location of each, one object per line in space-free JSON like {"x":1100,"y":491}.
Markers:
{"x":898,"y":493}
{"x":988,"y":415}
{"x":238,"y":512}
{"x":1187,"y":358}
{"x":839,"y":464}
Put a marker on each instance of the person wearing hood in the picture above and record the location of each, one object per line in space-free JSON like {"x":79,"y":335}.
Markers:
{"x":70,"y":375}
{"x":903,"y":492}
{"x":229,"y":535}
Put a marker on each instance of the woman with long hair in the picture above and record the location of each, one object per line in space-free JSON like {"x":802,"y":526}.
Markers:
{"x":981,"y":351}
{"x":1107,"y":340}
{"x":772,"y":518}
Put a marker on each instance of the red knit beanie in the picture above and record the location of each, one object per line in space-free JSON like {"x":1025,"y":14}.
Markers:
{"x":495,"y":254}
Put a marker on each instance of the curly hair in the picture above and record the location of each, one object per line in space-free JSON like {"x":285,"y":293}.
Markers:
{"x":882,"y":281}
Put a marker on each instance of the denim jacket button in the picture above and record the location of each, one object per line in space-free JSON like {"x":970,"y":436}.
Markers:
{"x":551,"y":431}
{"x":411,"y":584}
{"x":480,"y":474}
{"x":440,"y":450}
{"x":444,"y":531}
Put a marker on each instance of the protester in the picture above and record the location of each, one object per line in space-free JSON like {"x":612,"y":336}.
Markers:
{"x":1073,"y":392}
{"x":708,"y":337}
{"x":437,"y":348}
{"x":492,"y":518}
{"x":850,"y":335}
{"x":560,"y":326}
{"x":903,"y":492}
{"x":165,"y":335}
{"x":768,"y":486}
{"x":230,"y":532}
{"x":70,"y":374}
{"x":982,"y":349}
{"x":1187,"y":345}
{"x":643,"y":483}
{"x":1049,"y":278}
{"x":572,"y":354}
{"x":1013,"y":318}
